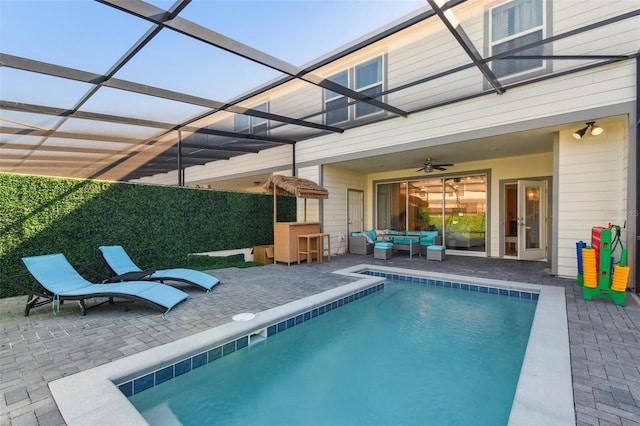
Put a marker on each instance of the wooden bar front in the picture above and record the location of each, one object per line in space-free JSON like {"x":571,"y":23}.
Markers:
{"x":285,"y":239}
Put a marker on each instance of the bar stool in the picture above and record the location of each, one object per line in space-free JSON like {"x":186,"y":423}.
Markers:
{"x":322,"y":249}
{"x":309,"y":247}
{"x":318,"y":248}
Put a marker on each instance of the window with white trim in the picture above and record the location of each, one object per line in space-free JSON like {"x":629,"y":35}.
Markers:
{"x":513,"y":24}
{"x":336,"y":104}
{"x":253,"y":125}
{"x":366,"y":78}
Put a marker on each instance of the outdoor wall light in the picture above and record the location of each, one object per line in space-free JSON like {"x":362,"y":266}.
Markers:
{"x":595,"y":130}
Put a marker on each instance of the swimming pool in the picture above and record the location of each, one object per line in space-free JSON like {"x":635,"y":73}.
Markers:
{"x":543,"y":395}
{"x":412,"y":354}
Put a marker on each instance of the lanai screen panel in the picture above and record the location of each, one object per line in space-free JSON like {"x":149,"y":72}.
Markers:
{"x":123,"y":90}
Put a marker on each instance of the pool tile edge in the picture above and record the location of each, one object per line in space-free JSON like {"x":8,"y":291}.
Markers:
{"x":98,"y":385}
{"x":544,"y":395}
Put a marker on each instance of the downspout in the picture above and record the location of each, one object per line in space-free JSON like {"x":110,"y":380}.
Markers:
{"x":633,"y":179}
{"x":294,"y":171}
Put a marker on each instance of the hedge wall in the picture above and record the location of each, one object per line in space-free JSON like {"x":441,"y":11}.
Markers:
{"x":157,"y":225}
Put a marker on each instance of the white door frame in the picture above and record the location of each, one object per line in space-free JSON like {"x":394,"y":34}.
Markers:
{"x":520,"y":241}
{"x":532,"y":219}
{"x":355,"y":210}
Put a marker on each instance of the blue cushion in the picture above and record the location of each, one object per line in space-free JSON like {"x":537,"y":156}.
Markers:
{"x":371,"y":234}
{"x":436,"y":248}
{"x":401,"y":240}
{"x":428,"y":237}
{"x":382,"y":245}
{"x":429,"y":233}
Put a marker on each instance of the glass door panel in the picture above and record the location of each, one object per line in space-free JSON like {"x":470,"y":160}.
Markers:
{"x":392,"y":206}
{"x":465,"y":213}
{"x":531,"y":223}
{"x":425,"y":205}
{"x":455,"y":207}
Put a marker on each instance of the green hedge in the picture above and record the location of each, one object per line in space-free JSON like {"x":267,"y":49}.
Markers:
{"x":157,"y":225}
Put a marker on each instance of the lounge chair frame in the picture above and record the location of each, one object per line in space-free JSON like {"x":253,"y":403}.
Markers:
{"x":34,"y":296}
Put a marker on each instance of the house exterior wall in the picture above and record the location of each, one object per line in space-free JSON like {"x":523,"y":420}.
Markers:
{"x":313,"y":206}
{"x":338,"y":181}
{"x":268,"y":160}
{"x":591,"y":189}
{"x":331,"y":212}
{"x":591,"y":174}
{"x":427,"y":49}
{"x":596,"y":88}
{"x":511,"y":168}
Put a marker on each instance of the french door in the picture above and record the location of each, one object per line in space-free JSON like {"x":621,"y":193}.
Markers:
{"x":532,"y":219}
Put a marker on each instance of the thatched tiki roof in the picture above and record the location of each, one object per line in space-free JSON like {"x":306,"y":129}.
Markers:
{"x":296,"y":186}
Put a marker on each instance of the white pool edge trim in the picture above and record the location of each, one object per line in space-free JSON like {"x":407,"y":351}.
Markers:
{"x":91,"y":397}
{"x":544,"y":394}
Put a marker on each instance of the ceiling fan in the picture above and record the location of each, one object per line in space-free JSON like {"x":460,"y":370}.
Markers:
{"x":428,"y":166}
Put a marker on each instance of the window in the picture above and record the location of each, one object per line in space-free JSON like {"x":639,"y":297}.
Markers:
{"x":336,"y":104}
{"x":253,"y":125}
{"x":514,"y":24}
{"x":367,"y":79}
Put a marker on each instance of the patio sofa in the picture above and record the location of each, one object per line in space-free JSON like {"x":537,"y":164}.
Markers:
{"x":363,"y":242}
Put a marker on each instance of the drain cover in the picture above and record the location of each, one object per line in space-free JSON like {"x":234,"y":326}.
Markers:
{"x":245,"y":316}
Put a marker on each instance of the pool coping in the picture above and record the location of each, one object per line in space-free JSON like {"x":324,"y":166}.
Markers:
{"x":544,"y":394}
{"x":545,"y":388}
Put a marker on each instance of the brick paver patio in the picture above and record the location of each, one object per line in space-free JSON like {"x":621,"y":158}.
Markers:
{"x":604,"y":338}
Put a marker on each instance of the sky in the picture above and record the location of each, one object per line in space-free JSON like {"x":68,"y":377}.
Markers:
{"x":90,"y":36}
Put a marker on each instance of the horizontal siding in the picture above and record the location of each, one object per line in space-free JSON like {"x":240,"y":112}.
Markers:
{"x":560,"y":96}
{"x":313,"y":205}
{"x":590,"y":188}
{"x":265,"y":161}
{"x":337,"y":181}
{"x":428,"y":48}
{"x":297,"y":100}
{"x":571,"y":14}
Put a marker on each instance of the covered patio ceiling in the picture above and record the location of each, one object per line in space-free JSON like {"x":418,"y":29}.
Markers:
{"x":162,"y":74}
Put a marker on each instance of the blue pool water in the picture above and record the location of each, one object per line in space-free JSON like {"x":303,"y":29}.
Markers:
{"x":408,"y":355}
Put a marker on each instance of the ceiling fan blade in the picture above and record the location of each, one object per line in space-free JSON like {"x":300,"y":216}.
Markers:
{"x":438,"y":167}
{"x":421,"y":169}
{"x":443,"y":165}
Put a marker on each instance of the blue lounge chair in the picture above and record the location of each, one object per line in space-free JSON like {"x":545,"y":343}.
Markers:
{"x":59,"y":281}
{"x":124,"y":269}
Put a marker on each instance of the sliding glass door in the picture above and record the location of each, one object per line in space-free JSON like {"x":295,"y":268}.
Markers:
{"x":453,"y":206}
{"x":392,"y":206}
{"x":465,"y":213}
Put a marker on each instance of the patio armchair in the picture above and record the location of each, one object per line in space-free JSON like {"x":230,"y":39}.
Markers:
{"x":360,"y":244}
